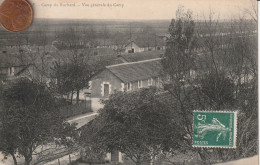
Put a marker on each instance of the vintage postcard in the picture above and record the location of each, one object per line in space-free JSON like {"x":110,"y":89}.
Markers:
{"x":151,"y":82}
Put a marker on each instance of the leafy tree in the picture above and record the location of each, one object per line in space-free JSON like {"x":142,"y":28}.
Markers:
{"x":233,"y":56}
{"x":71,"y":76}
{"x":178,"y":59}
{"x":30,"y":118}
{"x":92,"y":150}
{"x":9,"y":141}
{"x":218,"y":88}
{"x":138,"y":124}
{"x":223,"y":77}
{"x":147,"y":36}
{"x":120,"y":39}
{"x":177,"y":63}
{"x":72,"y":71}
{"x":105,"y":35}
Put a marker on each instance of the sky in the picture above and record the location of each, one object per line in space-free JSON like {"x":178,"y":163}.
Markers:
{"x":136,"y":9}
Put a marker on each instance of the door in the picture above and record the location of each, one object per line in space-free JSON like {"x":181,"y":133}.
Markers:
{"x":106,"y":90}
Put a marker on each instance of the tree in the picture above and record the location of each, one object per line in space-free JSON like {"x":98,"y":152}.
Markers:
{"x":178,"y":59}
{"x":90,"y":36}
{"x":213,"y":73}
{"x":233,"y":56}
{"x":71,"y":76}
{"x":147,"y":36}
{"x":9,"y":141}
{"x":72,"y":70}
{"x":30,"y":118}
{"x":252,"y":11}
{"x":105,"y":35}
{"x":218,"y":88}
{"x":120,"y":39}
{"x":138,"y":124}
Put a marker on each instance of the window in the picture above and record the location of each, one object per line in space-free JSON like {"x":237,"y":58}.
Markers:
{"x":192,"y":74}
{"x":150,"y":81}
{"x":140,"y":83}
{"x":128,"y":86}
{"x":159,"y":82}
{"x":11,"y":71}
{"x":106,"y":90}
{"x":156,"y":81}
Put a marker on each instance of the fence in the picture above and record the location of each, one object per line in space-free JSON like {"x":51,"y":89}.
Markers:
{"x":75,"y":109}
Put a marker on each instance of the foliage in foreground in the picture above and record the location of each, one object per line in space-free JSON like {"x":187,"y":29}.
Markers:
{"x":222,"y":75}
{"x":29,"y":119}
{"x":138,"y":124}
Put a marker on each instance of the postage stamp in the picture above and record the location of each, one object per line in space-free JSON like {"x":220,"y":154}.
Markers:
{"x":215,"y":129}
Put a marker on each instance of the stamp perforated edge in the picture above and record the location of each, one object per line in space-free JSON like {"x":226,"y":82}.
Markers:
{"x":235,"y":128}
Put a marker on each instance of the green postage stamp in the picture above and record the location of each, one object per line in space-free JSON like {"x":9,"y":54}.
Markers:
{"x":214,"y":129}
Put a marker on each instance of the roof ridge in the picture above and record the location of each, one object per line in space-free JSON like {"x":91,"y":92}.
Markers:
{"x":128,"y":63}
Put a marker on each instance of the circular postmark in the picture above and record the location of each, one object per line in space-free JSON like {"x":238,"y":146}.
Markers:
{"x":16,"y":15}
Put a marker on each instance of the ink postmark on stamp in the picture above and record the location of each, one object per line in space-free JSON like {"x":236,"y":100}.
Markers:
{"x":216,"y":129}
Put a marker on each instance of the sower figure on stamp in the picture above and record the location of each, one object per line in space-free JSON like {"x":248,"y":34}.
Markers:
{"x":216,"y":126}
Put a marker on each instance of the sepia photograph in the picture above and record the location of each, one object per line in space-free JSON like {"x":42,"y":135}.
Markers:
{"x":128,"y":82}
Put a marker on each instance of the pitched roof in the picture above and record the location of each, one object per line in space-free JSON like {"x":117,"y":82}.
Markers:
{"x":147,"y":41}
{"x":150,"y":42}
{"x":8,"y":59}
{"x":11,"y":56}
{"x":99,"y":62}
{"x":141,"y":56}
{"x":141,"y":70}
{"x":22,"y":69}
{"x":103,"y":51}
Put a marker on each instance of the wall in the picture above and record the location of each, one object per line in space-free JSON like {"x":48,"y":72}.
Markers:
{"x":134,"y":86}
{"x":154,"y":48}
{"x":133,"y":45}
{"x":116,"y":157}
{"x":146,"y":83}
{"x":4,"y":71}
{"x":10,"y":71}
{"x":96,"y":88}
{"x":97,"y":82}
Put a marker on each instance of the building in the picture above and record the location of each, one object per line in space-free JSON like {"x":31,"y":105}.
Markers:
{"x":102,"y":51}
{"x":129,"y":76}
{"x":7,"y":72}
{"x":29,"y":71}
{"x":141,"y":56}
{"x":124,"y":77}
{"x":132,"y":47}
{"x":149,"y":44}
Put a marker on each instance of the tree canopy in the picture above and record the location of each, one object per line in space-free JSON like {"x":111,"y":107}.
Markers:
{"x":213,"y":73}
{"x":30,"y":118}
{"x":138,"y":124}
